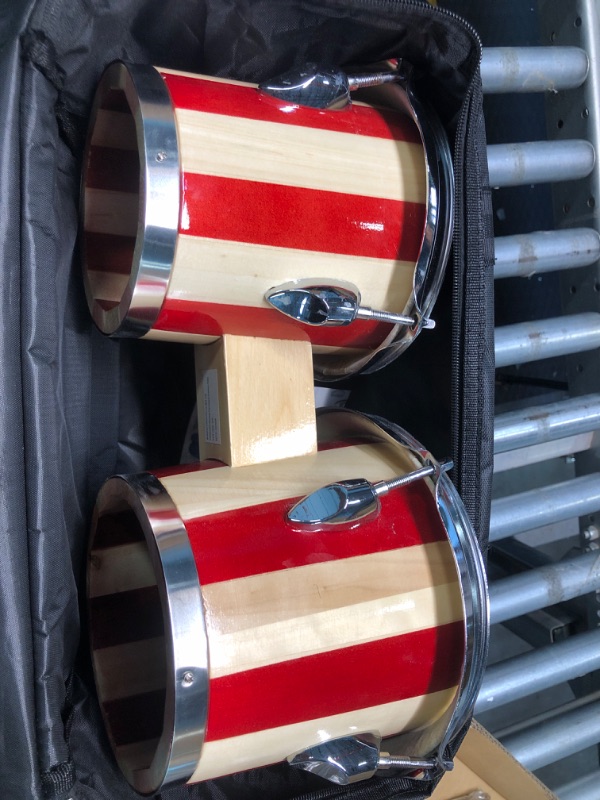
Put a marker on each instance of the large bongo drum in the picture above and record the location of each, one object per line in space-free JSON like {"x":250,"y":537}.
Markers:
{"x":201,"y":196}
{"x":228,"y":632}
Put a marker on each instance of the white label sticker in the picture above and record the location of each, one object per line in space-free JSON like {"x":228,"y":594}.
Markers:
{"x":212,"y":420}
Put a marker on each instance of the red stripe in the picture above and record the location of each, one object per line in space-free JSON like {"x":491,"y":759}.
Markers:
{"x":113,"y":169}
{"x":336,"y":682}
{"x":256,"y":540}
{"x":215,"y":319}
{"x":109,"y":252}
{"x":197,"y":94}
{"x":302,"y":219}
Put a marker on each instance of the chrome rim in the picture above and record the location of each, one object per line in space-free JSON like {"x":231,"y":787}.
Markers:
{"x":174,"y":757}
{"x":470,"y":568}
{"x":131,"y":308}
{"x":437,"y":235}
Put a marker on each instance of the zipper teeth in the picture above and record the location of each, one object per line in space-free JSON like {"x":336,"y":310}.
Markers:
{"x":458,"y":326}
{"x":458,"y":289}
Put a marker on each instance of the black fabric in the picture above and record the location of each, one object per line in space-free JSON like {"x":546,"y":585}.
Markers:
{"x":77,"y":407}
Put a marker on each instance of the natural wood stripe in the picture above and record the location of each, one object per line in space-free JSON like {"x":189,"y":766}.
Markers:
{"x":197,"y":494}
{"x":287,"y":594}
{"x":173,"y":336}
{"x":115,"y":666}
{"x":106,"y":285}
{"x":308,"y":635}
{"x":259,"y":748}
{"x":118,"y":569}
{"x":114,"y":129}
{"x":250,"y":603}
{"x":212,"y":78}
{"x":111,"y":212}
{"x":237,"y":273}
{"x":246,"y":149}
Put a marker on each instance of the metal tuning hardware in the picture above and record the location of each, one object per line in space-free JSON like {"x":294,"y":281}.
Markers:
{"x":355,"y":758}
{"x":354,"y":499}
{"x":314,"y":303}
{"x":321,"y":87}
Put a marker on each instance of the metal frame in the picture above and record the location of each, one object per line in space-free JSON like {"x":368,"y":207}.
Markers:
{"x":560,"y":438}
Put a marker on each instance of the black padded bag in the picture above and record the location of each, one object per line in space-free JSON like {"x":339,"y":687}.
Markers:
{"x":77,"y":407}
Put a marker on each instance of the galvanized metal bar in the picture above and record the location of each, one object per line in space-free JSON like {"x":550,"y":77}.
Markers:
{"x":531,"y":341}
{"x":546,"y":423}
{"x":539,"y":162}
{"x":562,"y":736}
{"x":538,"y":670}
{"x":544,"y":716}
{"x":585,"y":788}
{"x":557,"y":448}
{"x":532,"y":69}
{"x":525,"y":511}
{"x":529,"y":254}
{"x":529,"y":591}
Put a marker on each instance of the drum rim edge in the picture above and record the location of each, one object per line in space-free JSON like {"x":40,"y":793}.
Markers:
{"x":471,"y":572}
{"x":152,"y":111}
{"x":435,"y":244}
{"x":187,"y":682}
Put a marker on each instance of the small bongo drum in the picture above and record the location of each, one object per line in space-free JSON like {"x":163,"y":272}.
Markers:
{"x":202,"y":196}
{"x":229,"y":631}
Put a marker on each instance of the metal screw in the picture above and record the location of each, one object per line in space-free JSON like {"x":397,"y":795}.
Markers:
{"x":383,"y":487}
{"x":591,"y":533}
{"x":188,"y":678}
{"x":161,"y":156}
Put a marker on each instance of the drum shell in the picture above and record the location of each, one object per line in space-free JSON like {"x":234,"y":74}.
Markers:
{"x":260,"y":194}
{"x":308,"y":634}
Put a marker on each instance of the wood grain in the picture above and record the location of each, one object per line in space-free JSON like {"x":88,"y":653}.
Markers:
{"x":285,"y":596}
{"x":255,"y":400}
{"x":240,"y":273}
{"x":319,"y":632}
{"x":269,"y":746}
{"x":215,"y":144}
{"x":198,"y":494}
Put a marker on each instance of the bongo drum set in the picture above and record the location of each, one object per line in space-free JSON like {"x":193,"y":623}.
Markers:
{"x":311,"y":590}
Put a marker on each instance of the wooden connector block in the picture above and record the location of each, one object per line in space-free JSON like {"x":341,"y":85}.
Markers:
{"x":255,"y":400}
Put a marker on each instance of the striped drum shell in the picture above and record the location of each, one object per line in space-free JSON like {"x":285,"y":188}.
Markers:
{"x":225,"y":638}
{"x":200,"y":195}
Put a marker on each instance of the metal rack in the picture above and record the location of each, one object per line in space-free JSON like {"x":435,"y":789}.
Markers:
{"x":541,"y":693}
